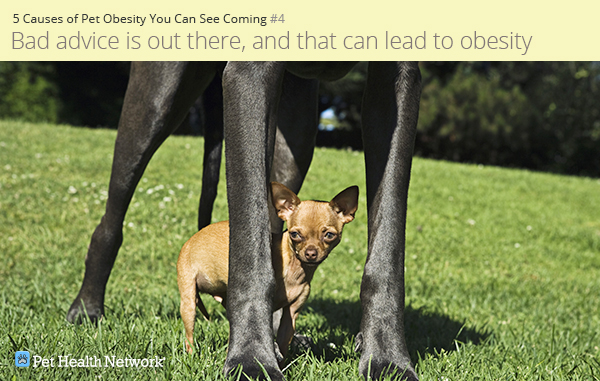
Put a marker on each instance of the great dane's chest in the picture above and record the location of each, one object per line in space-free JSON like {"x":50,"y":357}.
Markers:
{"x":325,"y":71}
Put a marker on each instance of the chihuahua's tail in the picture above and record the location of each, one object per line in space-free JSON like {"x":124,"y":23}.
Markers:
{"x":201,"y":306}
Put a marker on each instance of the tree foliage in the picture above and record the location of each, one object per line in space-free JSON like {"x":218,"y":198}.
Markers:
{"x":28,"y":92}
{"x":536,"y":115}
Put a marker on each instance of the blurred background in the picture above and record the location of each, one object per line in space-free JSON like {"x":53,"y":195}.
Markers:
{"x":541,"y":116}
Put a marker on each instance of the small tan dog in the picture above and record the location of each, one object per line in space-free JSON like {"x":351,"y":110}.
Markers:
{"x":314,"y":228}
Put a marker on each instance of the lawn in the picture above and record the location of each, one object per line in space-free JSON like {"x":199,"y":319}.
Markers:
{"x":502,"y":267}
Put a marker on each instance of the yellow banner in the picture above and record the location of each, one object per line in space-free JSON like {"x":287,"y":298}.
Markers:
{"x":300,"y":30}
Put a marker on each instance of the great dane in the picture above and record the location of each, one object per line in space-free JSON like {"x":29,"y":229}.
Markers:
{"x":267,"y":103}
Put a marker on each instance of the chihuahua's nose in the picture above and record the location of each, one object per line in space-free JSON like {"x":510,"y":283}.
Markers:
{"x":311,"y":254}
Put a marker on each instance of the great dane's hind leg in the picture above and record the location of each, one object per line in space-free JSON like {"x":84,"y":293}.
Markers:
{"x":390,"y":112}
{"x":158,"y":97}
{"x":250,"y":91}
{"x":212,"y":101}
{"x":297,"y":122}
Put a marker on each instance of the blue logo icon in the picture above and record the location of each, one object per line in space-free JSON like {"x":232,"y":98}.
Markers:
{"x":22,"y":359}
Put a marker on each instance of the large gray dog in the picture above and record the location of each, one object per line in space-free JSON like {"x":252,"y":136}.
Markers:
{"x":265,"y":102}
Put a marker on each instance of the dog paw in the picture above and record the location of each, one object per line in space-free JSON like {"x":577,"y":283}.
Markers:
{"x":78,"y":314}
{"x":252,"y":371}
{"x":378,"y":370}
{"x":302,"y":342}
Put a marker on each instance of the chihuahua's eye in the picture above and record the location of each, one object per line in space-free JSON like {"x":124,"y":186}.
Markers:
{"x":329,"y":235}
{"x":295,"y":235}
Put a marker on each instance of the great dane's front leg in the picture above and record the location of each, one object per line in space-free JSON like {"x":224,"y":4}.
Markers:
{"x":390,"y":112}
{"x":158,"y":97}
{"x":251,"y":92}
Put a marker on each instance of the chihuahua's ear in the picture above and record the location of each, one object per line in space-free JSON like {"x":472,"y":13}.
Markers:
{"x":284,"y":200}
{"x":346,"y":203}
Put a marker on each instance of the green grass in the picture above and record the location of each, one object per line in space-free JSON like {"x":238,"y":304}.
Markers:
{"x":502,"y":266}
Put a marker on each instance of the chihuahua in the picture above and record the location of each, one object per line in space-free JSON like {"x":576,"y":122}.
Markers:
{"x":314,"y":228}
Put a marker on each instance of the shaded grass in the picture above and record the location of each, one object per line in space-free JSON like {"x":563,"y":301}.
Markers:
{"x":502,"y":266}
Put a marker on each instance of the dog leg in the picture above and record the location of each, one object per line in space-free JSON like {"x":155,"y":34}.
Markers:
{"x":201,"y":307}
{"x":285,"y":333}
{"x":277,"y":321}
{"x":297,"y":122}
{"x":250,"y":113}
{"x":213,"y":147}
{"x":158,"y":97}
{"x":187,"y":309}
{"x":390,"y":111}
